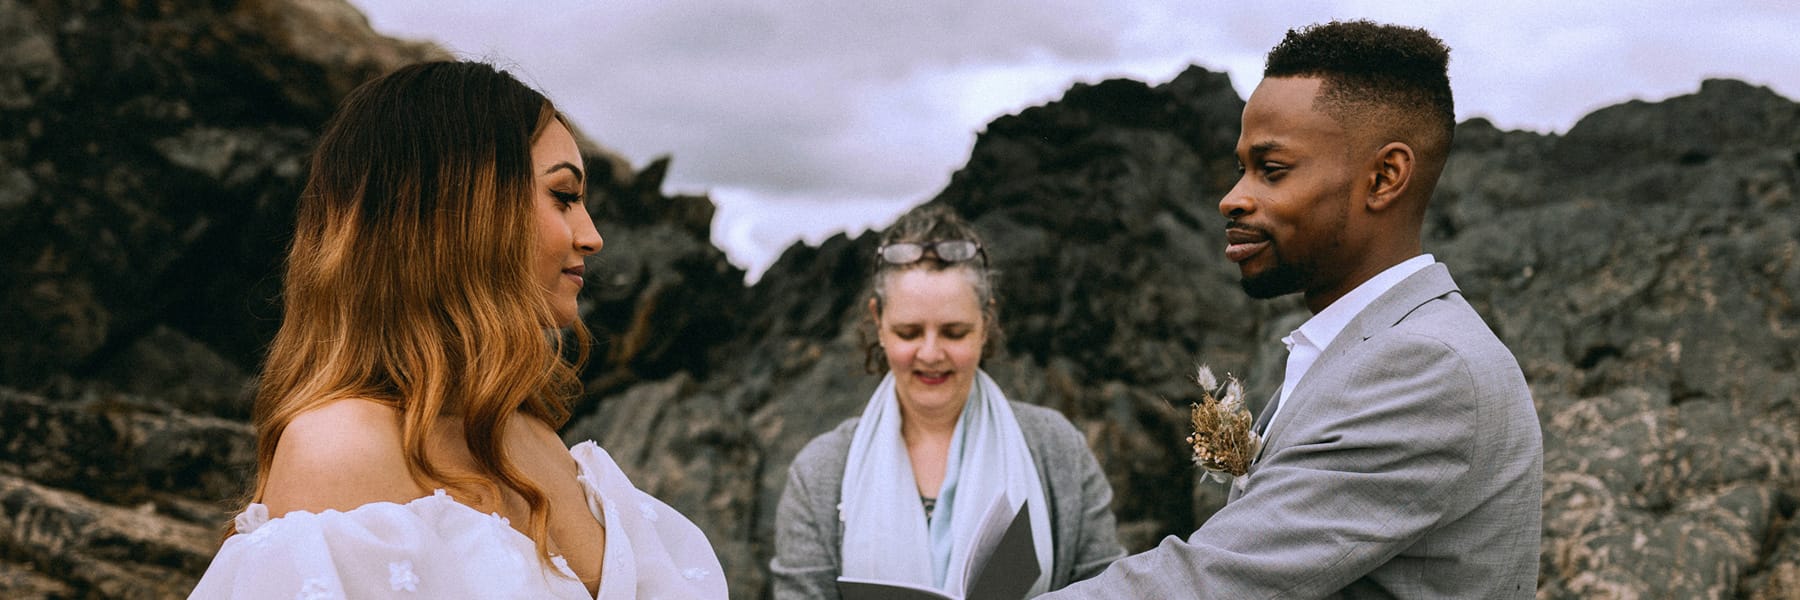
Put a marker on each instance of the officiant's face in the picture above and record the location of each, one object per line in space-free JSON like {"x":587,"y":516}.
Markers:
{"x":931,"y":330}
{"x":1288,"y":211}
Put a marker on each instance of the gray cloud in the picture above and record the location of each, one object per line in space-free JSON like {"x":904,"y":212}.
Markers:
{"x":803,"y":118}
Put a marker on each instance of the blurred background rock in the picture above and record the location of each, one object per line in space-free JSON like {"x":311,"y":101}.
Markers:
{"x":1644,"y":267}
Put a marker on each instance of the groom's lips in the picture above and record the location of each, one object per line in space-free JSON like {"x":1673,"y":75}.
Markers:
{"x":1241,"y":243}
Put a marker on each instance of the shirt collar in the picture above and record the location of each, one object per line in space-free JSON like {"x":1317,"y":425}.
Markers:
{"x":1323,"y":328}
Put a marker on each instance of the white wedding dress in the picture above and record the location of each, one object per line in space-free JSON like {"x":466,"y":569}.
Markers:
{"x":434,"y":547}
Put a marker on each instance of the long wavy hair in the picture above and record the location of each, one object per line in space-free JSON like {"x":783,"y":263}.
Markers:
{"x":408,"y":281}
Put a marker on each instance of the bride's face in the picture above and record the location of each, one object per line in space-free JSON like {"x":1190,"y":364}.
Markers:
{"x":565,"y":231}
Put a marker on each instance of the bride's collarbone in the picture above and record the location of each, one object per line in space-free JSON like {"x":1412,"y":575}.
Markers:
{"x":572,"y":531}
{"x":351,"y":453}
{"x":541,"y":459}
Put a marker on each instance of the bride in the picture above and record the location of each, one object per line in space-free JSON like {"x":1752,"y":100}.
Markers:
{"x":407,"y":415}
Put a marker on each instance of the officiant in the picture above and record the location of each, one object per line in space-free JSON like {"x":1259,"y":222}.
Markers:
{"x":898,"y":493}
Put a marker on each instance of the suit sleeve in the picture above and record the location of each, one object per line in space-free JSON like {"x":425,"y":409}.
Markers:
{"x":1363,"y":471}
{"x":805,"y":564}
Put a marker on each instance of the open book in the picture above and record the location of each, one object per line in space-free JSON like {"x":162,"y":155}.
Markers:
{"x":1002,"y":565}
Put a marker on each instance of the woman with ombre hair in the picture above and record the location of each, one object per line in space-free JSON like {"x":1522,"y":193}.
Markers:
{"x":407,"y":415}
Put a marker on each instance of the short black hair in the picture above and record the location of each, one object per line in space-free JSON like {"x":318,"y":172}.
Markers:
{"x":1403,"y":71}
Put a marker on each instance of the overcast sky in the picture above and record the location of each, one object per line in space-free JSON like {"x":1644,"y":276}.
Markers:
{"x":804,"y":118}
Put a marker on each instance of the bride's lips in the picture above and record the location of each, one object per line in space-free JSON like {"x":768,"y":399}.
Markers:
{"x":931,"y":378}
{"x":574,"y":273}
{"x":1243,"y":243}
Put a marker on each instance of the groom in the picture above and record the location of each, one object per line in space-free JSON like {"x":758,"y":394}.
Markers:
{"x":1402,"y":457}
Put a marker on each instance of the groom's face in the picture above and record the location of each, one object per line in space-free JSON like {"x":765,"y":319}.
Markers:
{"x":1287,"y":213}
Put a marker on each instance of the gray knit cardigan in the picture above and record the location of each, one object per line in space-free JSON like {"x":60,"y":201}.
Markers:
{"x":809,"y":538}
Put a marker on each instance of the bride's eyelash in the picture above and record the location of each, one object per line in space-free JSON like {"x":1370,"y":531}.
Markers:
{"x":565,"y":198}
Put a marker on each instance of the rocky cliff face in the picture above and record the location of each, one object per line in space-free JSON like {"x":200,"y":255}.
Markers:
{"x":1643,"y":268}
{"x":150,"y":155}
{"x":149,"y":159}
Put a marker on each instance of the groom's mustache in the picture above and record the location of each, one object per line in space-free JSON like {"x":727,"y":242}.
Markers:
{"x":1239,"y":233}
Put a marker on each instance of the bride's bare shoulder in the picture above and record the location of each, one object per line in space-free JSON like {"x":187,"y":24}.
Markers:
{"x":341,"y":455}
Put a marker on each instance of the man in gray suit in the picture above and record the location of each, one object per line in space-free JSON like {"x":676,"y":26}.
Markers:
{"x":1402,"y":457}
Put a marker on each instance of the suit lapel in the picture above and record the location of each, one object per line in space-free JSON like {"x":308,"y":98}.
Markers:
{"x":1268,"y":412}
{"x":1389,"y":309}
{"x":1430,"y":283}
{"x":1261,"y":427}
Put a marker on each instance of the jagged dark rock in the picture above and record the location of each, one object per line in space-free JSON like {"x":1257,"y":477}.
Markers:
{"x":125,"y":450}
{"x":1643,"y":267}
{"x":150,"y":156}
{"x":107,"y":551}
{"x":1648,"y":293}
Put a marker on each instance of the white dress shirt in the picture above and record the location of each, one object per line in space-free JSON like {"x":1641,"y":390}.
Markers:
{"x":1316,"y":334}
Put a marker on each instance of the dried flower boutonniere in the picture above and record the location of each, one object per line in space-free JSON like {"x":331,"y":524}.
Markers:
{"x":1223,"y":439}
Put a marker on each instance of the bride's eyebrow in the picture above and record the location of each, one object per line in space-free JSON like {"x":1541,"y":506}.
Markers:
{"x":566,"y":165}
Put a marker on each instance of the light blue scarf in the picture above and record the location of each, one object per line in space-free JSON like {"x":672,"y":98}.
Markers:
{"x":885,"y":534}
{"x":942,"y":540}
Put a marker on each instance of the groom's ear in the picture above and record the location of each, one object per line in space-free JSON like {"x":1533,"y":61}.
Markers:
{"x":1394,"y":167}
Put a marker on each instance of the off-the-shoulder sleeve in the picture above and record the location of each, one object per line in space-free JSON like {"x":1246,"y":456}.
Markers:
{"x":432,"y":547}
{"x":669,"y":556}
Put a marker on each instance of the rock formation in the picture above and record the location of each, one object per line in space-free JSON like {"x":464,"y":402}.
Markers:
{"x":1643,"y":267}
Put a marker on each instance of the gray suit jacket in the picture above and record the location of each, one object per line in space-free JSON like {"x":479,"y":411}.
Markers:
{"x":809,"y":539}
{"x":1408,"y":464}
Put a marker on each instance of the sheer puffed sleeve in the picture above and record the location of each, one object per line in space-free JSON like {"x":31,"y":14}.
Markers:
{"x":669,"y":556}
{"x":435,"y":547}
{"x":432,"y":547}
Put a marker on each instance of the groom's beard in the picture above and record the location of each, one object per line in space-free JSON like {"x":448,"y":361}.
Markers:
{"x":1281,"y":280}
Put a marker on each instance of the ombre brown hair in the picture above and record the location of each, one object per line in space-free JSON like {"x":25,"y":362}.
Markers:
{"x":408,"y":280}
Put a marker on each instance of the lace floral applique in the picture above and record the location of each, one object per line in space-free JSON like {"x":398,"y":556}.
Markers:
{"x":612,"y":508}
{"x":314,"y":589}
{"x":648,"y":510}
{"x":562,"y":566}
{"x":694,"y":573}
{"x":253,"y":524}
{"x":253,"y":518}
{"x":401,"y":577}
